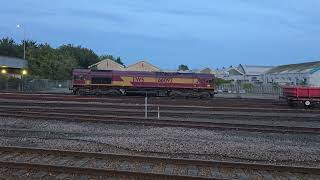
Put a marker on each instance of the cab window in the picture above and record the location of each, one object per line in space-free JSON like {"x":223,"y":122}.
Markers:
{"x":78,"y":77}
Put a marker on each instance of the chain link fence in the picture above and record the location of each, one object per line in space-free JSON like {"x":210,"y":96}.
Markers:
{"x":45,"y":84}
{"x":271,"y":89}
{"x":33,"y":84}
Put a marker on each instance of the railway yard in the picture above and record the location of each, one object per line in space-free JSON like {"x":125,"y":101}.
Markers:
{"x":63,"y":136}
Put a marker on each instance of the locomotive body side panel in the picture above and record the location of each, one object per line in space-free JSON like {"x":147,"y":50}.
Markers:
{"x":104,"y":80}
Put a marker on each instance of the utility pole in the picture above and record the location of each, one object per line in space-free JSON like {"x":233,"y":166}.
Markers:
{"x":24,"y":40}
{"x":146,"y":106}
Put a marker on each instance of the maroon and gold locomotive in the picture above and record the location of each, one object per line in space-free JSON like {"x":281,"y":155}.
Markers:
{"x":87,"y":81}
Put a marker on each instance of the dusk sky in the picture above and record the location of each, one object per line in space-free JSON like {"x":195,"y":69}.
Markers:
{"x":199,"y":33}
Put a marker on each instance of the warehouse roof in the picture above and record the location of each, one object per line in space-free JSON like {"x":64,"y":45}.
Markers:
{"x":233,"y":71}
{"x":207,"y":71}
{"x":107,"y":64}
{"x":142,"y":66}
{"x":254,"y":69}
{"x":12,"y":62}
{"x":308,"y":67}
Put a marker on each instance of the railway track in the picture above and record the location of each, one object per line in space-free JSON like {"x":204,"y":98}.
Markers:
{"x":171,"y":115}
{"x":78,"y":117}
{"x":132,"y":105}
{"x":195,"y":114}
{"x":230,"y":102}
{"x":43,"y":163}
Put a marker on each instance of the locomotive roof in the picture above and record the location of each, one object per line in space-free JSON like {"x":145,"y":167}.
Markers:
{"x":144,"y":73}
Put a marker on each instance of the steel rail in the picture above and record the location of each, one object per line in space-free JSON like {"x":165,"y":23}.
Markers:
{"x":155,"y":106}
{"x":16,"y":157}
{"x":171,"y":111}
{"x":156,"y":122}
{"x":218,"y":116}
{"x":253,"y":102}
{"x":132,"y":105}
{"x":94,"y":171}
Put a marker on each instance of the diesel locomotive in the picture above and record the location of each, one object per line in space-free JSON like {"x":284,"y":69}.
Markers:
{"x":111,"y":82}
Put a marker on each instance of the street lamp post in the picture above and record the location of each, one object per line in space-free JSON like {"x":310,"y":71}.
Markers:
{"x":23,"y":73}
{"x":4,"y":72}
{"x":24,"y":40}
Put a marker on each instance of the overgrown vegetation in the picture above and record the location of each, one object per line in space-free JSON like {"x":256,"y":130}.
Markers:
{"x":183,"y":67}
{"x":247,"y":85}
{"x":220,"y":81}
{"x":48,"y":62}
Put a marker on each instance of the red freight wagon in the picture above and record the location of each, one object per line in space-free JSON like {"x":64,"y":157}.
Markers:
{"x":307,"y":95}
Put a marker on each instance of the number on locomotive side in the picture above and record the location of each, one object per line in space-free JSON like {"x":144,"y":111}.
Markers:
{"x":165,"y":80}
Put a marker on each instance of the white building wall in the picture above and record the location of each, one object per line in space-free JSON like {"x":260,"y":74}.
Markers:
{"x":314,"y":79}
{"x":287,"y":78}
{"x":255,"y":78}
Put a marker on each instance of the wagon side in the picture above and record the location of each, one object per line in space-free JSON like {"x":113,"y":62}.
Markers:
{"x":302,"y":95}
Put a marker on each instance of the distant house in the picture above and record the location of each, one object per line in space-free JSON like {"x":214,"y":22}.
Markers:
{"x":143,"y":66}
{"x":295,"y":74}
{"x":254,"y":73}
{"x":244,"y":73}
{"x":230,"y":73}
{"x":11,"y":66}
{"x":207,"y":71}
{"x":107,"y":64}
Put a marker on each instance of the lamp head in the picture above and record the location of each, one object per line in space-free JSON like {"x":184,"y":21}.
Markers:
{"x":24,"y":72}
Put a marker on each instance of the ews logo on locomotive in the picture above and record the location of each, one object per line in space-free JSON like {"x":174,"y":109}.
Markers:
{"x":138,"y":79}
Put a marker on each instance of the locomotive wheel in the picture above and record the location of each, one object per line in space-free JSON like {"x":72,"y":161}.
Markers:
{"x":113,"y":92}
{"x":75,"y":92}
{"x":82,"y":93}
{"x":173,"y":95}
{"x":204,"y":95}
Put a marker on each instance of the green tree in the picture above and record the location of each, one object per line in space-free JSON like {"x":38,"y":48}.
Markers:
{"x":8,"y":47}
{"x":220,"y":81}
{"x":30,"y":47}
{"x":183,"y":67}
{"x":50,"y":63}
{"x":53,"y":63}
{"x":84,"y":56}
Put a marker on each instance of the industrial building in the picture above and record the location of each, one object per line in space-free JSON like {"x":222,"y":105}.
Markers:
{"x":107,"y":64}
{"x":13,"y":67}
{"x":307,"y":74}
{"x":143,"y":66}
{"x":244,"y":73}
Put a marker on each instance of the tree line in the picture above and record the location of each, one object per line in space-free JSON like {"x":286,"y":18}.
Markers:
{"x":45,"y":61}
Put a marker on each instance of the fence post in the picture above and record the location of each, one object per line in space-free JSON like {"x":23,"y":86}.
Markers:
{"x":146,"y":106}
